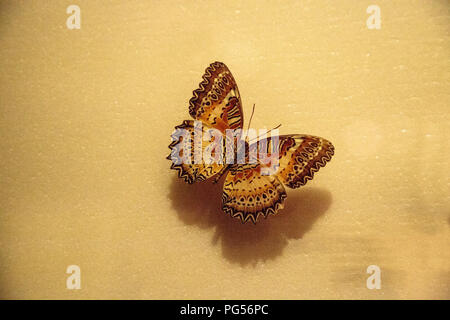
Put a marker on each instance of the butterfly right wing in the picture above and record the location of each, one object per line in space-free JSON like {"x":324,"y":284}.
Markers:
{"x":247,"y":194}
{"x":299,"y":157}
{"x":250,"y":190}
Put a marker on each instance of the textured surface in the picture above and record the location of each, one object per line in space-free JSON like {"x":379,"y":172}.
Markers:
{"x":86,"y":117}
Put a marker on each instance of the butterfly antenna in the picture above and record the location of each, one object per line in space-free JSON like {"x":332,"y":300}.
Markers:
{"x":274,"y":128}
{"x":267,"y":132}
{"x":251,"y":117}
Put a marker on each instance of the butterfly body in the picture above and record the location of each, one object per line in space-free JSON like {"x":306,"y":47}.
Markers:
{"x":254,"y":182}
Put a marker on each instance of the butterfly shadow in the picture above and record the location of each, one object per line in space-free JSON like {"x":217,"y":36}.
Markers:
{"x":246,"y":244}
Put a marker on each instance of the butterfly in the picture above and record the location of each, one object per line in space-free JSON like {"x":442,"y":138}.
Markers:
{"x":248,"y":191}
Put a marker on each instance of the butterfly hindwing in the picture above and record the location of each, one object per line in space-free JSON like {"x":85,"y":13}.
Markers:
{"x":247,"y":193}
{"x":217,"y":102}
{"x":187,"y":168}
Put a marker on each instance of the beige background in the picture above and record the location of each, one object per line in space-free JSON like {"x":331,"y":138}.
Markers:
{"x":85,"y":120}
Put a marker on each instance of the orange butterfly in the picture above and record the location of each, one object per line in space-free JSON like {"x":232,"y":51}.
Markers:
{"x":248,"y":191}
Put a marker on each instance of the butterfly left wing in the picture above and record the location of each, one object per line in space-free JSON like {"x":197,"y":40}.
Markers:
{"x":183,"y":153}
{"x":247,"y":193}
{"x":217,"y":102}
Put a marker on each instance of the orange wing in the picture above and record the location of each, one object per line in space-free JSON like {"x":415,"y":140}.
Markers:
{"x":183,"y":153}
{"x":300,"y":156}
{"x":247,"y":193}
{"x":217,"y":102}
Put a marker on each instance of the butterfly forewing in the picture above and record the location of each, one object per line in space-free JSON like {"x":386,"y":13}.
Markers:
{"x":217,"y":102}
{"x":300,"y":156}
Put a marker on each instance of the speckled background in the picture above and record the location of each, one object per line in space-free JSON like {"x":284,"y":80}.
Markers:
{"x":85,"y":120}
